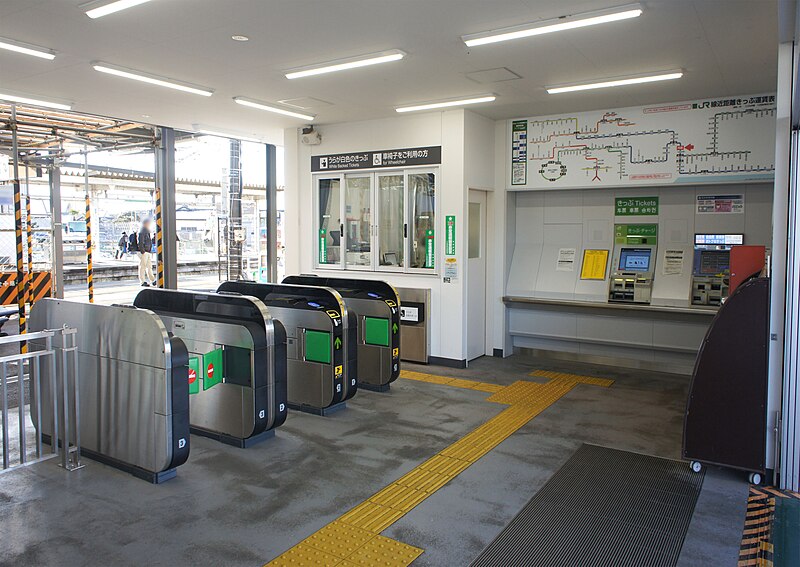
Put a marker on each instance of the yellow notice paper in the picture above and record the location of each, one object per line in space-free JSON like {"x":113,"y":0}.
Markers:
{"x":594,"y":264}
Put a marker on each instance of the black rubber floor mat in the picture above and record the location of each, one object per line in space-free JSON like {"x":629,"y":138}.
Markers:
{"x":603,"y":507}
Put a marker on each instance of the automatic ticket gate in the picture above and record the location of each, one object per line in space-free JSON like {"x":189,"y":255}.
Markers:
{"x":134,"y":390}
{"x":377,"y":308}
{"x":321,"y":342}
{"x":237,"y":362}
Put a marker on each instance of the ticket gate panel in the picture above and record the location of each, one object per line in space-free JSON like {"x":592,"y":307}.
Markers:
{"x":133,"y":389}
{"x":377,"y":305}
{"x":237,"y":354}
{"x":309,"y":314}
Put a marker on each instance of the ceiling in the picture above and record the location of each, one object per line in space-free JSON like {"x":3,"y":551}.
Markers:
{"x":724,"y":46}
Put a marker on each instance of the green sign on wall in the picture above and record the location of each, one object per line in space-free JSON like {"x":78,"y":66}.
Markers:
{"x":635,"y":206}
{"x":429,"y":257}
{"x":636,"y":234}
{"x":323,"y":249}
{"x":450,"y":235}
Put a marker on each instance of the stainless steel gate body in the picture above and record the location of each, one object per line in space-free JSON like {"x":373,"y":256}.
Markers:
{"x":319,"y":376}
{"x":134,"y":397}
{"x":377,"y":308}
{"x":247,"y":399}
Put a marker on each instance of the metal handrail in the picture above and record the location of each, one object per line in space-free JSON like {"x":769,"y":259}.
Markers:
{"x":70,"y":453}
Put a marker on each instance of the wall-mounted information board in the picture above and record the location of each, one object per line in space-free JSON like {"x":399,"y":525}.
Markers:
{"x":702,"y":141}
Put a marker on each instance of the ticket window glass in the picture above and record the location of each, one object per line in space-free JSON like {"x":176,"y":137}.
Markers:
{"x":422,"y":197}
{"x":358,"y":221}
{"x":329,"y":221}
{"x":391,"y":221}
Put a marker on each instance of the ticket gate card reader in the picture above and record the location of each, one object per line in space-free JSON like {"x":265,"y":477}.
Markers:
{"x":237,"y":362}
{"x":377,"y":306}
{"x":321,"y":345}
{"x":631,"y":278}
{"x":133,"y":386}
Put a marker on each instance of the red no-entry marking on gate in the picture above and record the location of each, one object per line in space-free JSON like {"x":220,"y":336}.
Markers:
{"x":210,"y":371}
{"x":192,"y":376}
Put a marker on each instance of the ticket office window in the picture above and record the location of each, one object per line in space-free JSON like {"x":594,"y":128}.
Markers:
{"x":386,"y":221}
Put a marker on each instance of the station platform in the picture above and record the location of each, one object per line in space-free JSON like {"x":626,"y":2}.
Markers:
{"x":430,"y":473}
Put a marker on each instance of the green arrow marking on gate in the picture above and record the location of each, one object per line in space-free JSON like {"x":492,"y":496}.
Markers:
{"x":337,"y":343}
{"x":394,"y":328}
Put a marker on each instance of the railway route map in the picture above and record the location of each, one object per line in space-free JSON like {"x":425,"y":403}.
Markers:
{"x":729,"y":139}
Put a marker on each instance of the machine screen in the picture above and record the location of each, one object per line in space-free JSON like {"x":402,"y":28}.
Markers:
{"x":635,"y":259}
{"x":713,"y":262}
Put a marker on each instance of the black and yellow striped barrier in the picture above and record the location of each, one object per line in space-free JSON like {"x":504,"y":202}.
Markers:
{"x":89,"y":264}
{"x":29,"y":230}
{"x":756,"y":547}
{"x":159,"y":241}
{"x":39,"y":287}
{"x":21,"y":278}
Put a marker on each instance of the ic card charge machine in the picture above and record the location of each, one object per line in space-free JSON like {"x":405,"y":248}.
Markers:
{"x":632,"y":271}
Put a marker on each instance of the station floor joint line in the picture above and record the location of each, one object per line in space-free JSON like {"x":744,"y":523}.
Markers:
{"x":354,"y":538}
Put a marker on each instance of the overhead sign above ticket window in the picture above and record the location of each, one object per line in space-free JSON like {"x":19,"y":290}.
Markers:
{"x":721,"y":140}
{"x":404,"y":157}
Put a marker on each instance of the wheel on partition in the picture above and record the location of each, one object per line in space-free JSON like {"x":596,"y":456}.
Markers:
{"x":697,"y":466}
{"x":755,"y":478}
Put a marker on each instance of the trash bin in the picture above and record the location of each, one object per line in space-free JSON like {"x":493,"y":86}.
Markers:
{"x":415,"y":336}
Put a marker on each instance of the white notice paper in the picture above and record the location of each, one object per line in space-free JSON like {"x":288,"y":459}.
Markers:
{"x":673,"y":262}
{"x":566,"y":260}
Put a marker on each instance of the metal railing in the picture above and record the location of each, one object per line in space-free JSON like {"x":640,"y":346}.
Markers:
{"x":43,"y":351}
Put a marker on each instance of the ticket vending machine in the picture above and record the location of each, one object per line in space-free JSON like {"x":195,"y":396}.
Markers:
{"x":632,"y":271}
{"x":712,"y":267}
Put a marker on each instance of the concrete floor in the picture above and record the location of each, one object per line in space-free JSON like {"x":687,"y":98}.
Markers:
{"x":243,"y":507}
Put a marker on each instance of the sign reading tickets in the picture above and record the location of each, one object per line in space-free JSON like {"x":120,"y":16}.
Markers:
{"x":429,"y":155}
{"x":717,"y":140}
{"x":635,"y":206}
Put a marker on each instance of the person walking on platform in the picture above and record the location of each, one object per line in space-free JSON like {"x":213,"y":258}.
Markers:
{"x":122,"y":246}
{"x":146,"y":277}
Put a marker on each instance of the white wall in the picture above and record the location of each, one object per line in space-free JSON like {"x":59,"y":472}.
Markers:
{"x":549,"y":220}
{"x":448,"y":320}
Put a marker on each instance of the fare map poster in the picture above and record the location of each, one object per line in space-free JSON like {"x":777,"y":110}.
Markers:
{"x":730,"y":139}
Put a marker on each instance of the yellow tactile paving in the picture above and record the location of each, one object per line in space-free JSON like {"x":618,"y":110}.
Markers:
{"x":354,"y":539}
{"x":384,"y":551}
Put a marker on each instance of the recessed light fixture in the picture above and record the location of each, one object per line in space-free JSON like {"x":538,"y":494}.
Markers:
{"x":447,"y":103}
{"x":151,"y":79}
{"x":34,"y":101}
{"x":104,"y":7}
{"x":271,"y":108}
{"x":240,"y":38}
{"x":27,"y":48}
{"x":554,"y":25}
{"x":344,"y":64}
{"x":619,"y":82}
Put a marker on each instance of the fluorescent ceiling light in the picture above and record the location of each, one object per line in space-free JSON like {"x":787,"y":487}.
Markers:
{"x":270,"y":108}
{"x":555,"y":25}
{"x":447,"y":103}
{"x":27,"y":48}
{"x":219,"y":134}
{"x":152,"y":79}
{"x":616,"y":82}
{"x":105,"y":8}
{"x":343,"y":64}
{"x":34,"y":101}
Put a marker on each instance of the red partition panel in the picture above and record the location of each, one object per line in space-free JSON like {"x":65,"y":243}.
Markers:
{"x":746,"y":261}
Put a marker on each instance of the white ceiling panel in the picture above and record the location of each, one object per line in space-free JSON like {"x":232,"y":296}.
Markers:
{"x":725,"y":47}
